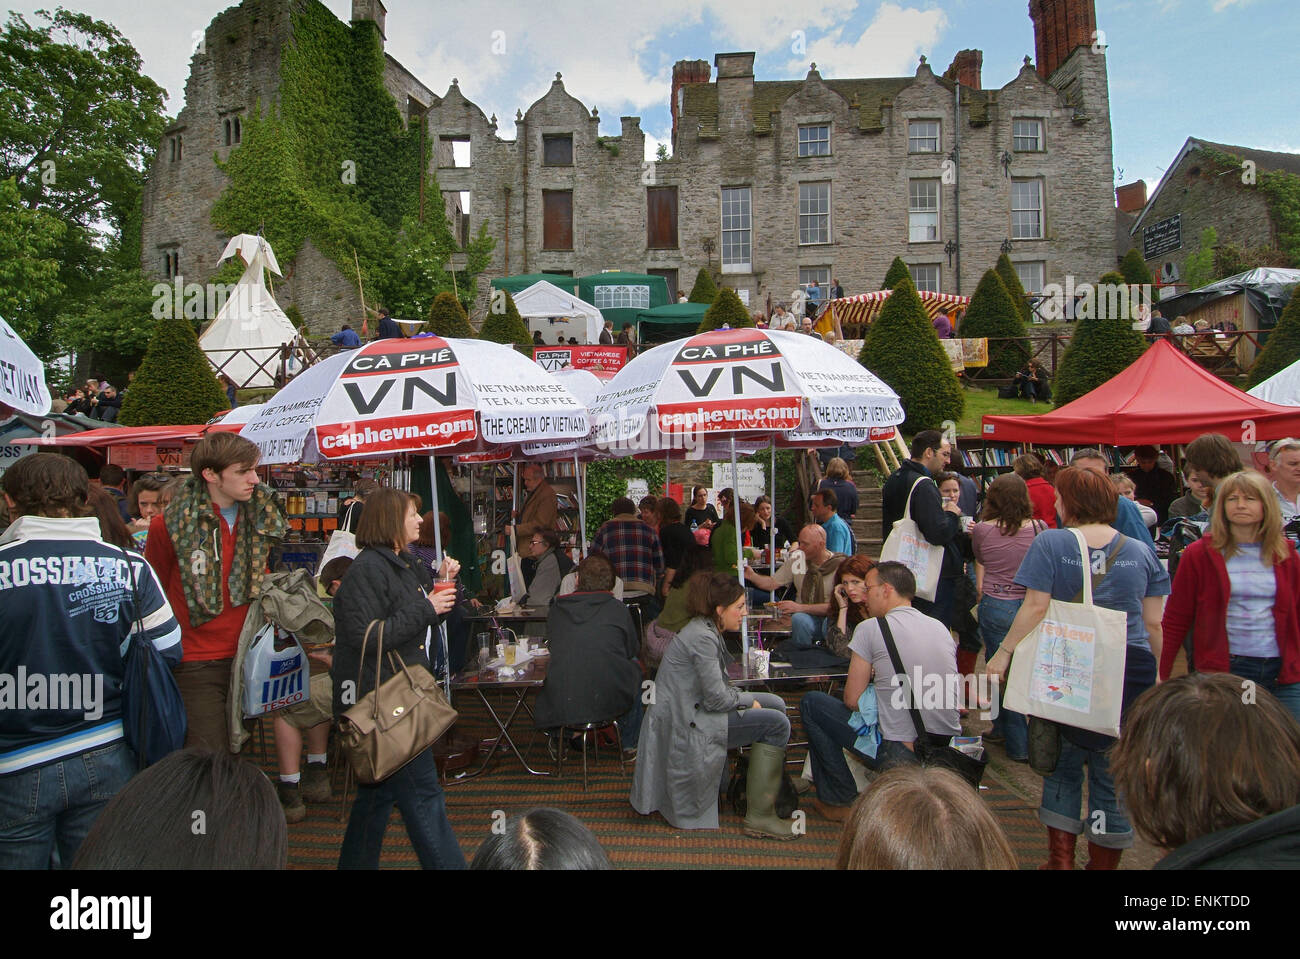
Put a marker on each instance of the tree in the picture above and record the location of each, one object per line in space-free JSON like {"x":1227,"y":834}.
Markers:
{"x":897,"y":270}
{"x":1011,"y":280}
{"x":1283,"y":346}
{"x":447,"y":317}
{"x":79,"y":124}
{"x":727,"y":310}
{"x":992,"y":313}
{"x":117,"y":325}
{"x":1135,"y":272}
{"x":704,"y":290}
{"x":504,"y":324}
{"x":1198,"y":267}
{"x":662,"y":152}
{"x":1103,"y":346}
{"x":29,"y":271}
{"x":175,"y":385}
{"x":903,"y":350}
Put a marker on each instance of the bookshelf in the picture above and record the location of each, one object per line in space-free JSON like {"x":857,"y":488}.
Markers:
{"x":990,"y":460}
{"x":488,"y":488}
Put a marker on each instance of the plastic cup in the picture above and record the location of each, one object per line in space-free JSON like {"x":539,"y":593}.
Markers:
{"x":443,"y":585}
{"x":511,"y":652}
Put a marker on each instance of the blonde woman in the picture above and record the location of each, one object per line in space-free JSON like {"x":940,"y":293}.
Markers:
{"x":1236,"y":590}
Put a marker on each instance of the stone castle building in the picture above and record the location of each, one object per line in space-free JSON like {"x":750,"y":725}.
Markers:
{"x":774,"y":183}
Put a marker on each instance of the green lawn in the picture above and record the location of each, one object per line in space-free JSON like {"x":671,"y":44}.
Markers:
{"x":982,"y":401}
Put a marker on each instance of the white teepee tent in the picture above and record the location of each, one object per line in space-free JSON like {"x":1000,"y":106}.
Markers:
{"x":250,"y":320}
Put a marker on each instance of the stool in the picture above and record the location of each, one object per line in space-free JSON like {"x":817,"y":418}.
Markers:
{"x":588,"y":730}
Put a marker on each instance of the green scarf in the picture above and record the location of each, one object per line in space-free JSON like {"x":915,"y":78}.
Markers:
{"x":194,"y":524}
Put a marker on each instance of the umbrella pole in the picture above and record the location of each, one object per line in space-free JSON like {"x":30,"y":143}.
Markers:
{"x":771,"y":529}
{"x":740,"y":550}
{"x":437,"y":551}
{"x":514,"y":511}
{"x":580,"y":478}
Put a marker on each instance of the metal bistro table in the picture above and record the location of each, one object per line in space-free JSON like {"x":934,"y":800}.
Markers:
{"x":526,"y":678}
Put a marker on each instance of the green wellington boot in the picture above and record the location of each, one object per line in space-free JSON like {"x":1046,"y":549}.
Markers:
{"x":766,"y":766}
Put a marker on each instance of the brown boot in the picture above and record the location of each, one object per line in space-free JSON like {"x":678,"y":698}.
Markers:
{"x":1060,"y":849}
{"x":1100,"y":857}
{"x":966,"y":666}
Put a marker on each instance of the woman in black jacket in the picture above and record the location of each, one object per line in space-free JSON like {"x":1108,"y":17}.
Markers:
{"x":388,"y":584}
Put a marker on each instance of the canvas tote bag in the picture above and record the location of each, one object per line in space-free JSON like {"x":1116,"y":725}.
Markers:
{"x":1070,"y":669}
{"x":907,"y":545}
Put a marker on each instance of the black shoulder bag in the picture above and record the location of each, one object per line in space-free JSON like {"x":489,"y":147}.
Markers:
{"x":929,"y":752}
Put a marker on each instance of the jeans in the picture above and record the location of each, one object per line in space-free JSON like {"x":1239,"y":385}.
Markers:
{"x":629,"y":725}
{"x":53,"y":806}
{"x":1263,"y":672}
{"x":996,"y":616}
{"x":826,"y":722}
{"x":767,"y":725}
{"x":1107,"y":824}
{"x":416,"y":791}
{"x":806,"y":630}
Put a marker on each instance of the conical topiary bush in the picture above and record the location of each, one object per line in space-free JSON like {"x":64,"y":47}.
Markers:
{"x":1011,"y":280}
{"x":504,"y":324}
{"x":897,"y":271}
{"x":1135,"y":272}
{"x":903,"y":350}
{"x":992,"y":313}
{"x":447,"y":317}
{"x":727,"y":310}
{"x":1104,"y":344}
{"x":175,"y":385}
{"x":1283,"y":346}
{"x":704,"y":290}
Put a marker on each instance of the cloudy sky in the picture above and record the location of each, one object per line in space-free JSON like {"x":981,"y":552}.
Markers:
{"x":1215,"y":69}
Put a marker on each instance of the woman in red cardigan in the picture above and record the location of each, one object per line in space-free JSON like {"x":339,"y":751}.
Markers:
{"x":1236,"y":590}
{"x":1029,"y":467}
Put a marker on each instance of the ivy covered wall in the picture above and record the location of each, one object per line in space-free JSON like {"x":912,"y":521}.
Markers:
{"x":333,"y":163}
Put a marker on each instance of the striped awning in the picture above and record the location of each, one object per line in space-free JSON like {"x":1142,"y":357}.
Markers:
{"x":864,"y":307}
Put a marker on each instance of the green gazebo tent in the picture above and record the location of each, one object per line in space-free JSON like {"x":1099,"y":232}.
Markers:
{"x":620,"y":297}
{"x":517,"y":284}
{"x":671,"y":322}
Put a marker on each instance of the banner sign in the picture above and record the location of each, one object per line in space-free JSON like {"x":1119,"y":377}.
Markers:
{"x":728,"y":381}
{"x":597,"y":359}
{"x":396,"y":398}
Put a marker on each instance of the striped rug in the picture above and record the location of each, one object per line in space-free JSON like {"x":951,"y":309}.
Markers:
{"x":631,"y":841}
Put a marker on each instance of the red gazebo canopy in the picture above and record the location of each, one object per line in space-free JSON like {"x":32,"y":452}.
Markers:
{"x":1163,"y":397}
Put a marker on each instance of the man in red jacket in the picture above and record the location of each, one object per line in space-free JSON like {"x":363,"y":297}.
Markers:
{"x":210,"y":548}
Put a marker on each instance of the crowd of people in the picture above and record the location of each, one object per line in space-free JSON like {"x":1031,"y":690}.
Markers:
{"x":178,"y":561}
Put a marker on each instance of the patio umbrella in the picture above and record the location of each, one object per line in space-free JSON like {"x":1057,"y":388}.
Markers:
{"x":422,"y":395}
{"x":22,"y":376}
{"x":742,"y":385}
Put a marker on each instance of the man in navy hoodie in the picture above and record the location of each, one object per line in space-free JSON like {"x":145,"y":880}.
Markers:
{"x":68,"y":604}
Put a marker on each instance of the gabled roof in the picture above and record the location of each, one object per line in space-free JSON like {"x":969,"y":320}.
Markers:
{"x":1266,"y":160}
{"x":1163,"y":397}
{"x":700,"y":100}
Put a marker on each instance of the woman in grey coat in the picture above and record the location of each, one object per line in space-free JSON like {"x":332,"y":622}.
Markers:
{"x":696,"y":716}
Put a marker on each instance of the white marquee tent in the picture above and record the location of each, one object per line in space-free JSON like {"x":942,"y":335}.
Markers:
{"x":559,"y":315}
{"x":1282,"y":388}
{"x":250,"y":320}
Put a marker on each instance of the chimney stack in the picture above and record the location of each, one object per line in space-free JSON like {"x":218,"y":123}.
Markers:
{"x":1060,"y":28}
{"x":966,"y":68}
{"x":684,"y":72}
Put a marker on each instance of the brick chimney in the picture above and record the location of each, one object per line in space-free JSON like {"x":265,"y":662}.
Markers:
{"x":684,"y":72}
{"x":966,"y":68}
{"x":1131,"y":197}
{"x":1060,"y":28}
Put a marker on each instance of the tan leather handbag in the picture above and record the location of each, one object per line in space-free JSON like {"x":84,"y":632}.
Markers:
{"x":396,"y":721}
